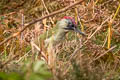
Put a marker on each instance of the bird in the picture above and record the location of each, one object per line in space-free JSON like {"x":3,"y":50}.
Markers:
{"x":55,"y":36}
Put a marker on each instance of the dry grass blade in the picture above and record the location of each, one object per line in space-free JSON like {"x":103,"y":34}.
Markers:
{"x":42,"y":53}
{"x":104,"y":53}
{"x":47,"y":11}
{"x":99,"y":27}
{"x":110,"y":27}
{"x":109,"y":34}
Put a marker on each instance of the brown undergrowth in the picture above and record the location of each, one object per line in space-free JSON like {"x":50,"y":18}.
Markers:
{"x":93,"y":61}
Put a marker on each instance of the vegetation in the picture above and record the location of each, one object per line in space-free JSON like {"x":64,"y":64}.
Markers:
{"x":94,"y":57}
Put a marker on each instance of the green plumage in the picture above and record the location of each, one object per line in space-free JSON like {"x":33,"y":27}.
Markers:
{"x":54,"y":35}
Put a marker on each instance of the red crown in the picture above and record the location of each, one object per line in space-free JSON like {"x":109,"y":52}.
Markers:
{"x":72,"y":19}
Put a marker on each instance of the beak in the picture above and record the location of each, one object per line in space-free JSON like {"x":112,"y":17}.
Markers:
{"x":78,"y":31}
{"x":75,"y":29}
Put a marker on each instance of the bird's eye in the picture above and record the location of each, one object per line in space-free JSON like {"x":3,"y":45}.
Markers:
{"x":71,"y":25}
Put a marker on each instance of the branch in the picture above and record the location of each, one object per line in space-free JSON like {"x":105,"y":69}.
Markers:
{"x":32,"y":22}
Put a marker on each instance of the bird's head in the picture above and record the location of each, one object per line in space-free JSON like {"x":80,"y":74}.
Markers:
{"x":71,"y":25}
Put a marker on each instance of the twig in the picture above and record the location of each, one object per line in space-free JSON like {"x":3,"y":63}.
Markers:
{"x":107,"y":2}
{"x":8,"y":14}
{"x":32,"y":22}
{"x":105,"y":41}
{"x":90,"y":19}
{"x":104,"y":53}
{"x":36,"y":47}
{"x":47,"y":11}
{"x":77,"y":49}
{"x":99,"y":27}
{"x":26,"y":54}
{"x":22,"y":25}
{"x":118,"y":33}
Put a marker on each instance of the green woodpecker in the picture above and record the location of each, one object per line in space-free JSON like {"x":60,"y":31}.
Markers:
{"x":56,"y":35}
